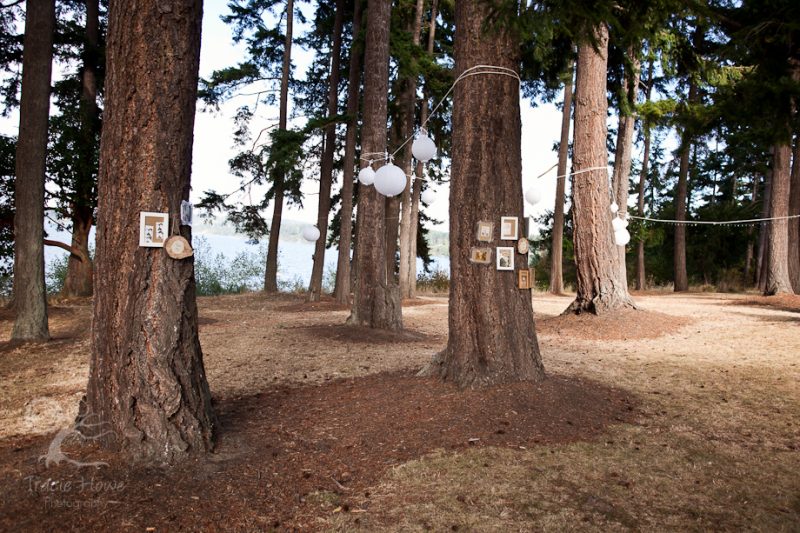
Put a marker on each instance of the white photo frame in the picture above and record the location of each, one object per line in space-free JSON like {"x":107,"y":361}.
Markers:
{"x":509,"y":228}
{"x":505,"y":258}
{"x":153,"y":229}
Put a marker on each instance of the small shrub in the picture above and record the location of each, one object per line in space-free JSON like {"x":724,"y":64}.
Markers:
{"x":436,"y":281}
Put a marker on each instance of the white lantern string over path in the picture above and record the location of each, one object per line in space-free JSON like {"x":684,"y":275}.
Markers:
{"x":428,"y":197}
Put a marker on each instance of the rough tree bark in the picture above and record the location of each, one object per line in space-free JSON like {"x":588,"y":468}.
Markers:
{"x":78,"y":282}
{"x":600,"y":288}
{"x":30,"y":293}
{"x":408,"y":104}
{"x":410,"y":283}
{"x":326,"y":171}
{"x":777,"y":279}
{"x":147,"y":385}
{"x":376,"y":301}
{"x":763,"y":233}
{"x":271,"y":271}
{"x":794,"y":224}
{"x":557,"y":245}
{"x":624,"y":150}
{"x":641,"y":280}
{"x":748,"y":260}
{"x":492,"y":338}
{"x":342,"y":291}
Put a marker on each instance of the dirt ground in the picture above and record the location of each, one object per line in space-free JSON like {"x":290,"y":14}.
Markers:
{"x":683,"y":415}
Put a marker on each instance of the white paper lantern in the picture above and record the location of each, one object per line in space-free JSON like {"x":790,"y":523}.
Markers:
{"x":617,"y":223}
{"x":390,"y":180}
{"x":428,"y":197}
{"x":423,"y":148}
{"x":622,"y":237}
{"x":614,"y":207}
{"x":366,"y":176}
{"x":533,"y":195}
{"x":625,"y":222}
{"x":311,"y":233}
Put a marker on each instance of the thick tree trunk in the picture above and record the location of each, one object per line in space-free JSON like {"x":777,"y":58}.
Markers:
{"x":641,"y":280}
{"x":409,"y":100}
{"x":557,"y":245}
{"x":343,"y":272}
{"x":376,"y":301}
{"x":763,"y":234}
{"x":492,"y":338}
{"x":80,"y":270}
{"x":777,"y":280}
{"x":271,"y":270}
{"x":326,"y":172}
{"x":794,"y":223}
{"x":78,"y":282}
{"x":30,"y":293}
{"x":679,"y":257}
{"x":600,"y":288}
{"x":410,"y":283}
{"x":624,"y":150}
{"x":147,"y":386}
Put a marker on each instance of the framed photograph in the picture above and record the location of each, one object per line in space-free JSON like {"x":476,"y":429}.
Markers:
{"x":153,"y":229}
{"x":485,"y":231}
{"x":505,"y":258}
{"x":509,"y":228}
{"x":524,"y":280}
{"x":481,"y":256}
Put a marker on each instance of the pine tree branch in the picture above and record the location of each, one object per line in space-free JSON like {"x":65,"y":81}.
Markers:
{"x":71,"y":249}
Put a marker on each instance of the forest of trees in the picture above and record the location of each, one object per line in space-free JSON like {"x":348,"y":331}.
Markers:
{"x":694,"y":103}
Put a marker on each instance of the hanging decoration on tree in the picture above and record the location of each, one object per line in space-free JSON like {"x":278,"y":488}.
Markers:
{"x":423,"y":147}
{"x":390,"y":180}
{"x":534,"y":194}
{"x":311,"y":233}
{"x":366,"y":176}
{"x":622,"y":237}
{"x":428,"y":197}
{"x":614,"y":207}
{"x":178,"y":247}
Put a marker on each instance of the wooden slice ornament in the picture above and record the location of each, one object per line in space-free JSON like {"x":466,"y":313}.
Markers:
{"x":178,"y":247}
{"x":523,"y":246}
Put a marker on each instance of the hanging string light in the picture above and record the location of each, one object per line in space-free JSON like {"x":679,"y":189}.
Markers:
{"x":390,"y":180}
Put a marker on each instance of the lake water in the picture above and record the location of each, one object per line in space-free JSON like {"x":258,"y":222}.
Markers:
{"x":294,"y":258}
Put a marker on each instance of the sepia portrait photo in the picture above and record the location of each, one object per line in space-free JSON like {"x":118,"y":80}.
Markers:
{"x":505,"y":258}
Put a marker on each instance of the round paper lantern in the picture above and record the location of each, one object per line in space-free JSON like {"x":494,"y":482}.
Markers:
{"x":428,"y":197}
{"x":390,"y":180}
{"x":533,"y":195}
{"x":423,"y":148}
{"x":366,"y":176}
{"x":614,"y":207}
{"x":617,"y":223}
{"x":625,"y":222}
{"x":622,"y":237}
{"x":311,"y":233}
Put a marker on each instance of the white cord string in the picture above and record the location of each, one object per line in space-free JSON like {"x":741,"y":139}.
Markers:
{"x":472,"y":71}
{"x":714,"y":222}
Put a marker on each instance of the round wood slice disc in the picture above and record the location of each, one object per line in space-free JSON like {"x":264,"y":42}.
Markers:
{"x":523,"y":246}
{"x":178,"y":247}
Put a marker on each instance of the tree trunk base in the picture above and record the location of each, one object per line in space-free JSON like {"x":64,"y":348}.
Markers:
{"x":468,"y":372}
{"x":600,"y":305}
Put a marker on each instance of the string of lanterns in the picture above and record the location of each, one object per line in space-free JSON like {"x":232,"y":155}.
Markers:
{"x":390,"y":180}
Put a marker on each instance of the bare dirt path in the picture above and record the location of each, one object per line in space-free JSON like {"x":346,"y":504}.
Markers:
{"x":713,"y":440}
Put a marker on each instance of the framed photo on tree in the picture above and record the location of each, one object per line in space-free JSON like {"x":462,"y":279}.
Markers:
{"x":482,"y":256}
{"x":509,"y":228}
{"x":505,"y":258}
{"x":153,"y":229}
{"x":524,"y":280}
{"x":485,"y":231}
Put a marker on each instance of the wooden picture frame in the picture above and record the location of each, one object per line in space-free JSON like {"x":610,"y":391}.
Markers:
{"x":153,"y":229}
{"x":509,"y":228}
{"x":524,"y":278}
{"x":480,"y":255}
{"x":505,"y":258}
{"x":485,"y":231}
